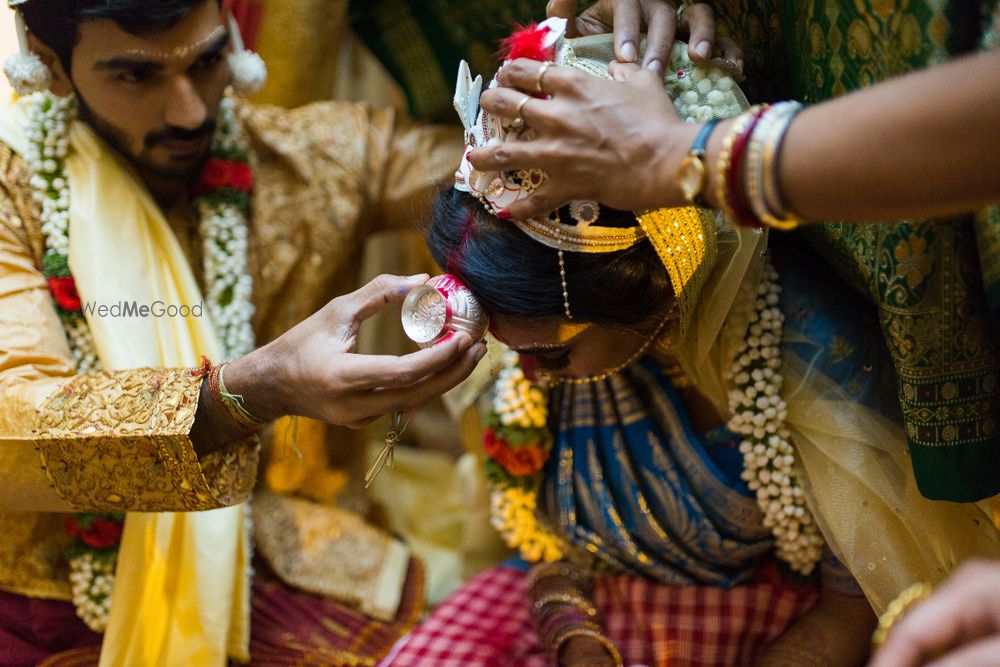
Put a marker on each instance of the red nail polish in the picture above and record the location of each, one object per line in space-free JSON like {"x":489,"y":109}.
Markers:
{"x":504,"y":214}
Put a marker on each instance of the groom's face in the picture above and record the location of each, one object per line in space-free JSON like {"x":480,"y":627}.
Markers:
{"x":154,"y":96}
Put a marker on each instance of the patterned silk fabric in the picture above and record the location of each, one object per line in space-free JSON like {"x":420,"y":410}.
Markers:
{"x":926,"y":278}
{"x":630,"y":482}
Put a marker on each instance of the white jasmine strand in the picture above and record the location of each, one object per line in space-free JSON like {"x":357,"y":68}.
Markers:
{"x":759,"y":415}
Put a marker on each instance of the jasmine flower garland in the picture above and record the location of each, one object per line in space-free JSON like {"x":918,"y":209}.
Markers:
{"x":222,"y":198}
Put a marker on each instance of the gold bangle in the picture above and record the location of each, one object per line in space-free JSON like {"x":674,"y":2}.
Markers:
{"x":897,"y":609}
{"x":759,"y":178}
{"x":233,"y":404}
{"x":584,"y":631}
{"x":778,"y":215}
{"x":786,"y":224}
{"x":574,"y":600}
{"x":557,"y":569}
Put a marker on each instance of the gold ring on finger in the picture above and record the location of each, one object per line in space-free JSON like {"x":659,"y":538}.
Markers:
{"x":518,"y":123}
{"x":540,"y":74}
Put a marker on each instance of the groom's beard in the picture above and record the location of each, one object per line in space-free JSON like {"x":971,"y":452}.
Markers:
{"x":179,"y":170}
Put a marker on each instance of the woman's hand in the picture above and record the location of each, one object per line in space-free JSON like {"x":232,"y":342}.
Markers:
{"x":619,"y":142}
{"x":837,"y":631}
{"x":657,"y":19}
{"x":958,"y":625}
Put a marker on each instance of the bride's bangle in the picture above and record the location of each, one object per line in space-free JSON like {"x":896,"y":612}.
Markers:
{"x":589,"y":632}
{"x":897,"y":609}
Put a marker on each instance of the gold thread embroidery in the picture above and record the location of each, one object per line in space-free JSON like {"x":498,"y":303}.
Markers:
{"x":118,"y":441}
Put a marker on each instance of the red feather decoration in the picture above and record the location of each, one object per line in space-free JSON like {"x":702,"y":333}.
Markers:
{"x":527,"y":42}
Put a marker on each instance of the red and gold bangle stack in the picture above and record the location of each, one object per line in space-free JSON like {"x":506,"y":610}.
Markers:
{"x":727,"y":184}
{"x":231,"y":404}
{"x":736,"y":199}
{"x":562,"y":608}
{"x":747,"y":170}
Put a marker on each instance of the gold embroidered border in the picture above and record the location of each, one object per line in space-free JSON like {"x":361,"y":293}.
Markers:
{"x":118,"y":441}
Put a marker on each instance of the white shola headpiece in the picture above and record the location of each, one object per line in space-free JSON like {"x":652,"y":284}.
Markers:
{"x":496,"y":189}
{"x":25,"y":70}
{"x":248,"y":68}
{"x":499,"y":189}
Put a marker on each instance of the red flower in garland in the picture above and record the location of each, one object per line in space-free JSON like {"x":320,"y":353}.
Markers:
{"x":219,"y":174}
{"x":518,"y":461}
{"x":240,"y":177}
{"x":493,"y":445}
{"x":101,"y":534}
{"x":214,"y":175}
{"x":63,"y":289}
{"x":525,"y":460}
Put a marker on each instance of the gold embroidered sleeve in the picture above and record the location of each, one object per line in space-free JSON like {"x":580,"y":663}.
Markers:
{"x":119,"y":442}
{"x":107,"y":441}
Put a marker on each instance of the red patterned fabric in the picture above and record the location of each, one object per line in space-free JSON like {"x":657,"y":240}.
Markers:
{"x":488,"y":623}
{"x":287,"y":627}
{"x":294,"y":628}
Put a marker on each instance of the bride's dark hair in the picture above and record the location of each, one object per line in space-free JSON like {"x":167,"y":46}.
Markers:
{"x":514,"y":275}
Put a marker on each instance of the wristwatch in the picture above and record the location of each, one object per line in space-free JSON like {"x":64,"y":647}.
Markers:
{"x":691,"y":173}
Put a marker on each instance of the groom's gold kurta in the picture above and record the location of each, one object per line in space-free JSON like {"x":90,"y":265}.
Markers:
{"x":326,"y":175}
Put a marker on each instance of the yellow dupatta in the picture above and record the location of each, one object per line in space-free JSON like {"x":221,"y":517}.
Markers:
{"x":181,"y":594}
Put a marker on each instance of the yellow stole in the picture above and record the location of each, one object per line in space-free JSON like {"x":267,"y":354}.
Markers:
{"x":181,"y":594}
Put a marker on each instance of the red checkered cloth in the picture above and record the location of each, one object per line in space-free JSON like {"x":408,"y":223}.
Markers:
{"x":487,"y":623}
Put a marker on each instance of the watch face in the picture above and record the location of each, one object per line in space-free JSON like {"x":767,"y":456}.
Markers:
{"x":691,"y":177}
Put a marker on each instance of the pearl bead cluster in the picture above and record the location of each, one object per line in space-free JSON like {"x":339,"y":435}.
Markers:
{"x":759,"y":415}
{"x":92,"y":579}
{"x":518,"y":401}
{"x":47,"y":131}
{"x":225,"y":243}
{"x":704,"y":92}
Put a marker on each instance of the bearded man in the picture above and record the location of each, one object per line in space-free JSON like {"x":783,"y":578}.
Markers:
{"x":153,"y":232}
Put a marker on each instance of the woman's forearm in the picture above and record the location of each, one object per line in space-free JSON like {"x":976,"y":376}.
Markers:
{"x":834,"y":633}
{"x":923,"y":145}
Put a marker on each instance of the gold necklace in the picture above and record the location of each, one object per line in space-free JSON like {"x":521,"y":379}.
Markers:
{"x":551,"y":379}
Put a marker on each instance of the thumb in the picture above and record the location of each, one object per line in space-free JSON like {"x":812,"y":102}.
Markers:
{"x":362,"y":303}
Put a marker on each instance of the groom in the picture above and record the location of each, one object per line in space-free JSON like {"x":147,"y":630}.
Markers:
{"x":138,"y":180}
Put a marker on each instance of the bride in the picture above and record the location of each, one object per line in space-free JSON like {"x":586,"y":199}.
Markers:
{"x":692,"y":432}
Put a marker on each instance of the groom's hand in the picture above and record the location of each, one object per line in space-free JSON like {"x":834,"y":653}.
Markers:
{"x":313,"y":371}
